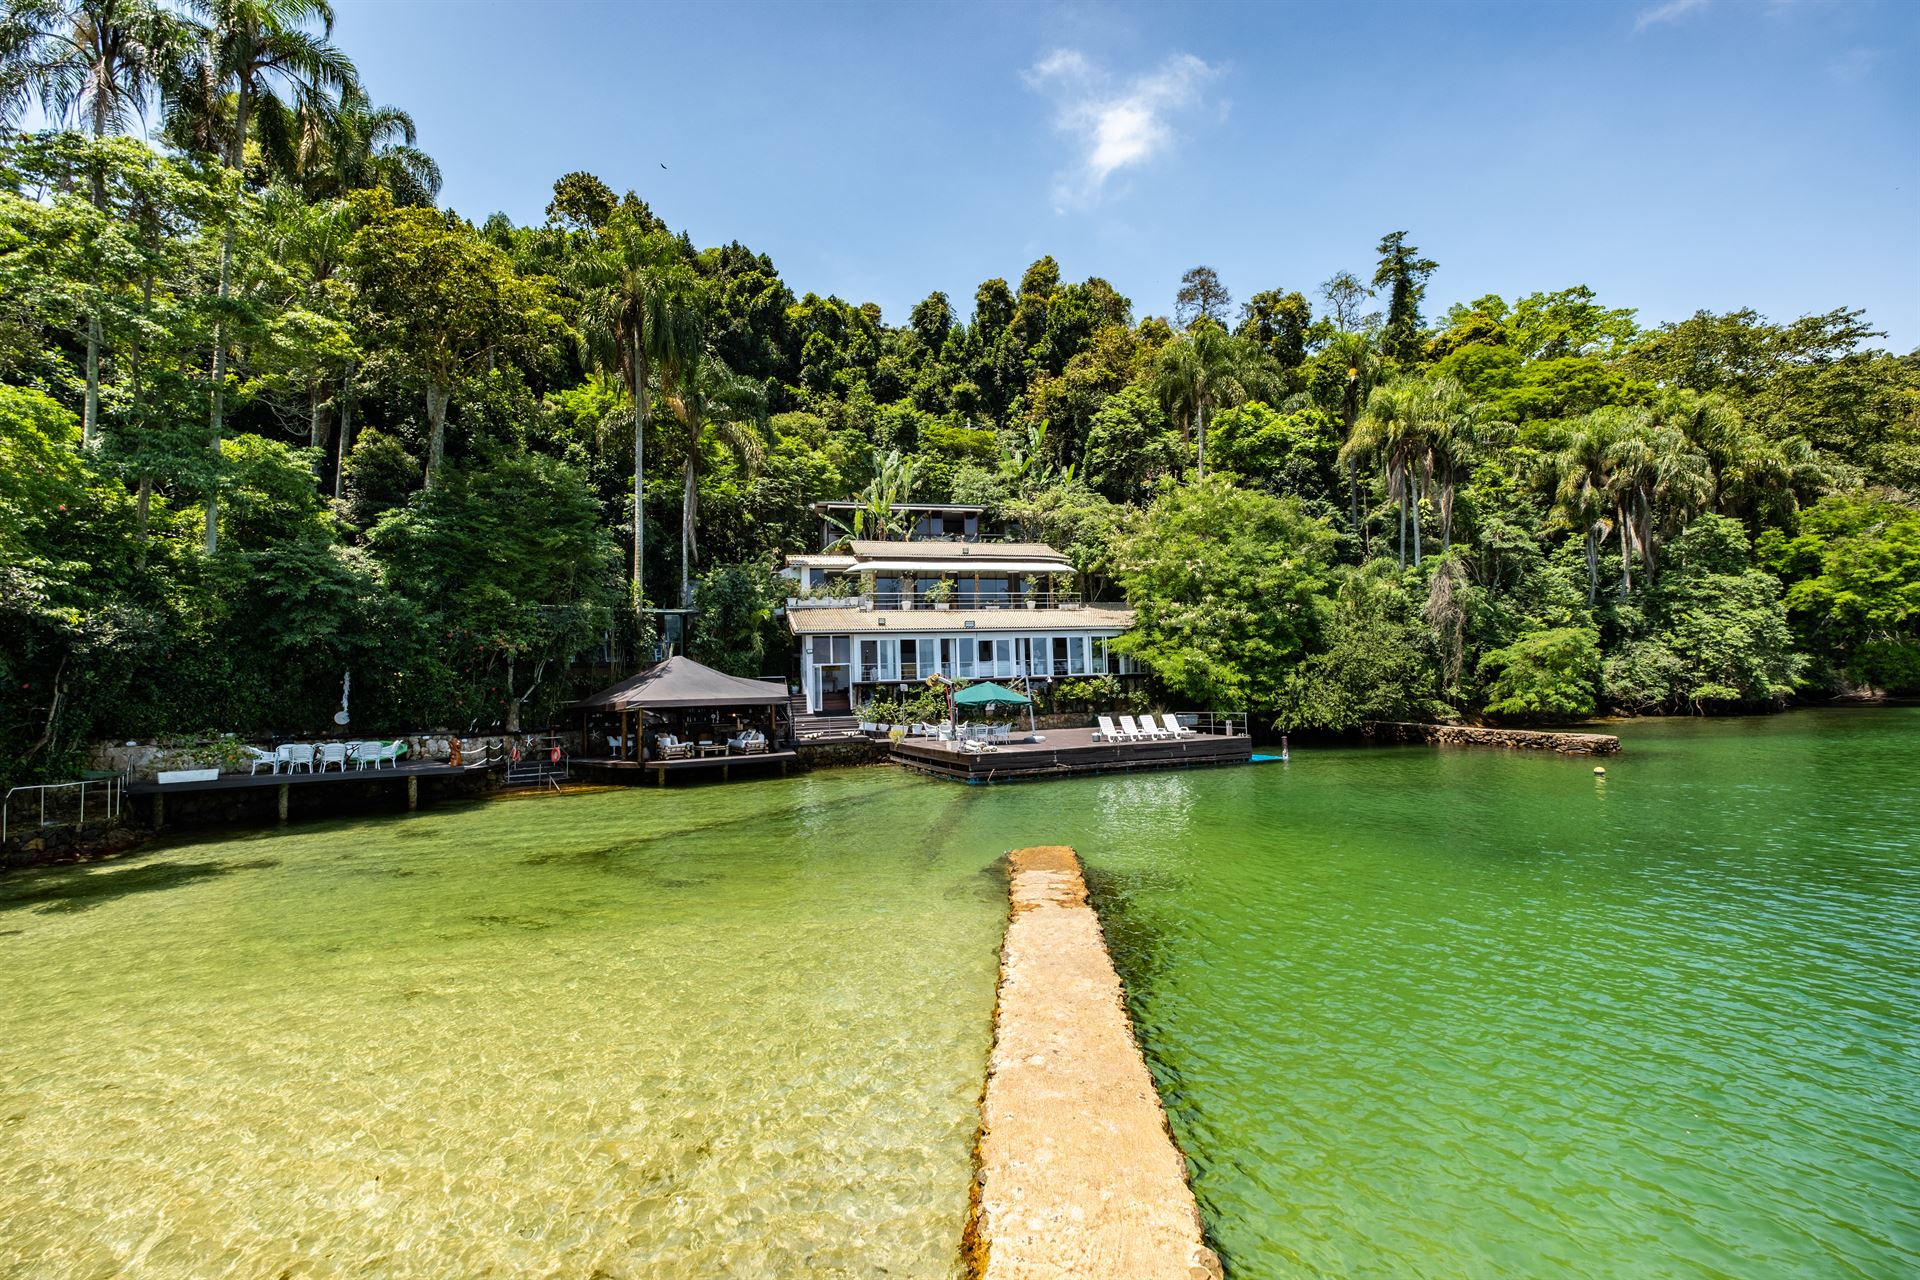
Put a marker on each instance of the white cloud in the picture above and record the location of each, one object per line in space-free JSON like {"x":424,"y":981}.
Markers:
{"x":1114,"y":125}
{"x":1671,"y":11}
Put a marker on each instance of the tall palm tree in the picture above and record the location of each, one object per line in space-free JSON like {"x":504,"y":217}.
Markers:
{"x":243,"y":53}
{"x":1583,"y":466}
{"x":713,"y":402}
{"x":1204,"y":369}
{"x":1396,"y":428}
{"x":638,"y":304}
{"x":354,"y":146}
{"x":99,"y":63}
{"x":1659,"y":481}
{"x":1459,"y":430}
{"x":1355,"y":349}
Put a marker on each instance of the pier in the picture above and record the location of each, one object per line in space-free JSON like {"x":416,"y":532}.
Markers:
{"x":1062,"y":753}
{"x":1078,"y":1171}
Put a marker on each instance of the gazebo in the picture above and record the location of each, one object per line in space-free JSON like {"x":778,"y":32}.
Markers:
{"x":703,"y":710}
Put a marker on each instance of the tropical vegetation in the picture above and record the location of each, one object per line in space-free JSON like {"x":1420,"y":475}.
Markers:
{"x":269,"y":416}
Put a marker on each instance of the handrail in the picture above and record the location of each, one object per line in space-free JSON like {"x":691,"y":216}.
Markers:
{"x":115,"y":789}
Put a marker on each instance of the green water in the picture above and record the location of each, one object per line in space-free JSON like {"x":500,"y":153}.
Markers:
{"x":1414,"y":1013}
{"x":725,"y":1031}
{"x":1475,"y":1013}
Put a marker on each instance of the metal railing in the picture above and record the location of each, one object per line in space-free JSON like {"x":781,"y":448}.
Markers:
{"x":110,"y":796}
{"x":972,"y":600}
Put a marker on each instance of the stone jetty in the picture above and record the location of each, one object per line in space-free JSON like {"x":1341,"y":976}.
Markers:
{"x":1078,"y":1172}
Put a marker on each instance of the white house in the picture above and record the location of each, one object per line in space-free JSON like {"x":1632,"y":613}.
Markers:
{"x":883,"y":614}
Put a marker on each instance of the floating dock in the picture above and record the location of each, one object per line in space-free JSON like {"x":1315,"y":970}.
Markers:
{"x":1064,"y":752}
{"x":1078,"y":1171}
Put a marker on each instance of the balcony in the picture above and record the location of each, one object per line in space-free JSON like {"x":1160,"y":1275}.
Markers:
{"x":961,"y":601}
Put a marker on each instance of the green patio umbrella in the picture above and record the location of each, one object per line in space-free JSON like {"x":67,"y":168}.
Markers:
{"x":989,"y":694}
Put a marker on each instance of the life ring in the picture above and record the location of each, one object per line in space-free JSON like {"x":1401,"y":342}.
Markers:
{"x":554,"y":755}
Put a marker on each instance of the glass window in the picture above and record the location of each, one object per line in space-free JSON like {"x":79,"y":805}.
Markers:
{"x":1077,"y":654}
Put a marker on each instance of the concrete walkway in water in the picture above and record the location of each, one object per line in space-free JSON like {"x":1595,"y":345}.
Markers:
{"x":1079,"y":1175}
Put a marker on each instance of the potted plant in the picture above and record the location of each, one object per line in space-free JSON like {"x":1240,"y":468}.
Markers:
{"x":939,"y":595}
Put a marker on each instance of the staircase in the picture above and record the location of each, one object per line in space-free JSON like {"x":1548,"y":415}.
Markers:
{"x":827,"y":723}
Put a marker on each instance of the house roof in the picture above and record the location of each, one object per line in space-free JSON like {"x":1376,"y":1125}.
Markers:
{"x":971,"y":552}
{"x":1088,"y":617}
{"x":682,"y":682}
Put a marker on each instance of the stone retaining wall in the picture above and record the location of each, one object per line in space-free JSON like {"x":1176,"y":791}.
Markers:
{"x":1078,"y":1172}
{"x":1462,"y":735}
{"x":841,"y":751}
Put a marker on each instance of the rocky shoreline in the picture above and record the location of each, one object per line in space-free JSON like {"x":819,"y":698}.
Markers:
{"x":1466,"y":735}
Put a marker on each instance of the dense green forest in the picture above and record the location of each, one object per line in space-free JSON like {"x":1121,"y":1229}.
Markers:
{"x":269,"y":415}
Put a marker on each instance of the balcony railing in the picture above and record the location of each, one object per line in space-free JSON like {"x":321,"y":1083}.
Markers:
{"x":918,"y":601}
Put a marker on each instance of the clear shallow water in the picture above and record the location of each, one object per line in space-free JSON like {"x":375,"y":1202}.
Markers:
{"x":723,"y":1031}
{"x":1413,"y":1012}
{"x":1475,"y":1013}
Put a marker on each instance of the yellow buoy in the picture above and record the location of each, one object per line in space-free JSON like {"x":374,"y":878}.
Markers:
{"x":1601,"y":770}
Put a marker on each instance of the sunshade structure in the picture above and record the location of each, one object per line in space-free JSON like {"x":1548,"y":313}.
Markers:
{"x":681,"y":682}
{"x":686,"y":699}
{"x":989,"y":694}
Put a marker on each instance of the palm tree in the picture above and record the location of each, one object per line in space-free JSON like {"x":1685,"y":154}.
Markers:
{"x":710,"y":397}
{"x":638,"y":302}
{"x":355,"y":146}
{"x":1659,"y":482}
{"x":246,"y":52}
{"x":1356,"y":351}
{"x":1204,"y":369}
{"x":1396,"y":429}
{"x":95,"y":61}
{"x":1459,"y":429}
{"x":1584,"y":482}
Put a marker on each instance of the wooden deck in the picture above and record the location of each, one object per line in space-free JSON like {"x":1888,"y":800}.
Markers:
{"x":252,"y":781}
{"x":1067,"y":752}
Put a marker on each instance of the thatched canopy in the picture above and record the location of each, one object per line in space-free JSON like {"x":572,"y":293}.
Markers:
{"x":682,"y":682}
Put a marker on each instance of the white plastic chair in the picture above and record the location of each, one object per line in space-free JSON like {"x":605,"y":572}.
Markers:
{"x":295,"y":755}
{"x":256,"y":757}
{"x":333,"y":755}
{"x":1174,"y":727}
{"x":1110,"y":734}
{"x":1133,"y":730}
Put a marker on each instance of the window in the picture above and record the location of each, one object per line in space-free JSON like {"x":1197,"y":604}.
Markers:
{"x":869,"y":660}
{"x":1077,"y":654}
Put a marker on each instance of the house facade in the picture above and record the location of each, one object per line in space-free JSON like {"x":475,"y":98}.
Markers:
{"x":877,"y":616}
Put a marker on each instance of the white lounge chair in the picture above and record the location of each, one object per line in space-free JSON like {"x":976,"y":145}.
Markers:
{"x":1139,"y":732}
{"x":1110,"y":734}
{"x":256,"y":757}
{"x":1174,"y":727}
{"x":295,"y":755}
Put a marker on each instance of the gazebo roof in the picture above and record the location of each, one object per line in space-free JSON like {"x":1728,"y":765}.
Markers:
{"x":682,"y":682}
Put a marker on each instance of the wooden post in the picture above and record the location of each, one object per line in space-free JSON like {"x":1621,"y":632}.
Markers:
{"x":159,"y":810}
{"x":283,"y":802}
{"x":413,"y":792}
{"x":660,"y":777}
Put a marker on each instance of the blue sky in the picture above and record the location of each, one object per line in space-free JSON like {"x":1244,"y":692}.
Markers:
{"x":1673,"y":154}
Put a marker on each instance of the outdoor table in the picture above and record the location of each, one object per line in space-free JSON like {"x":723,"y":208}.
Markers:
{"x":713,"y":748}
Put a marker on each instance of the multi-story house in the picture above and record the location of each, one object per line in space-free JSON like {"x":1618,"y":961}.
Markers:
{"x":879,"y":615}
